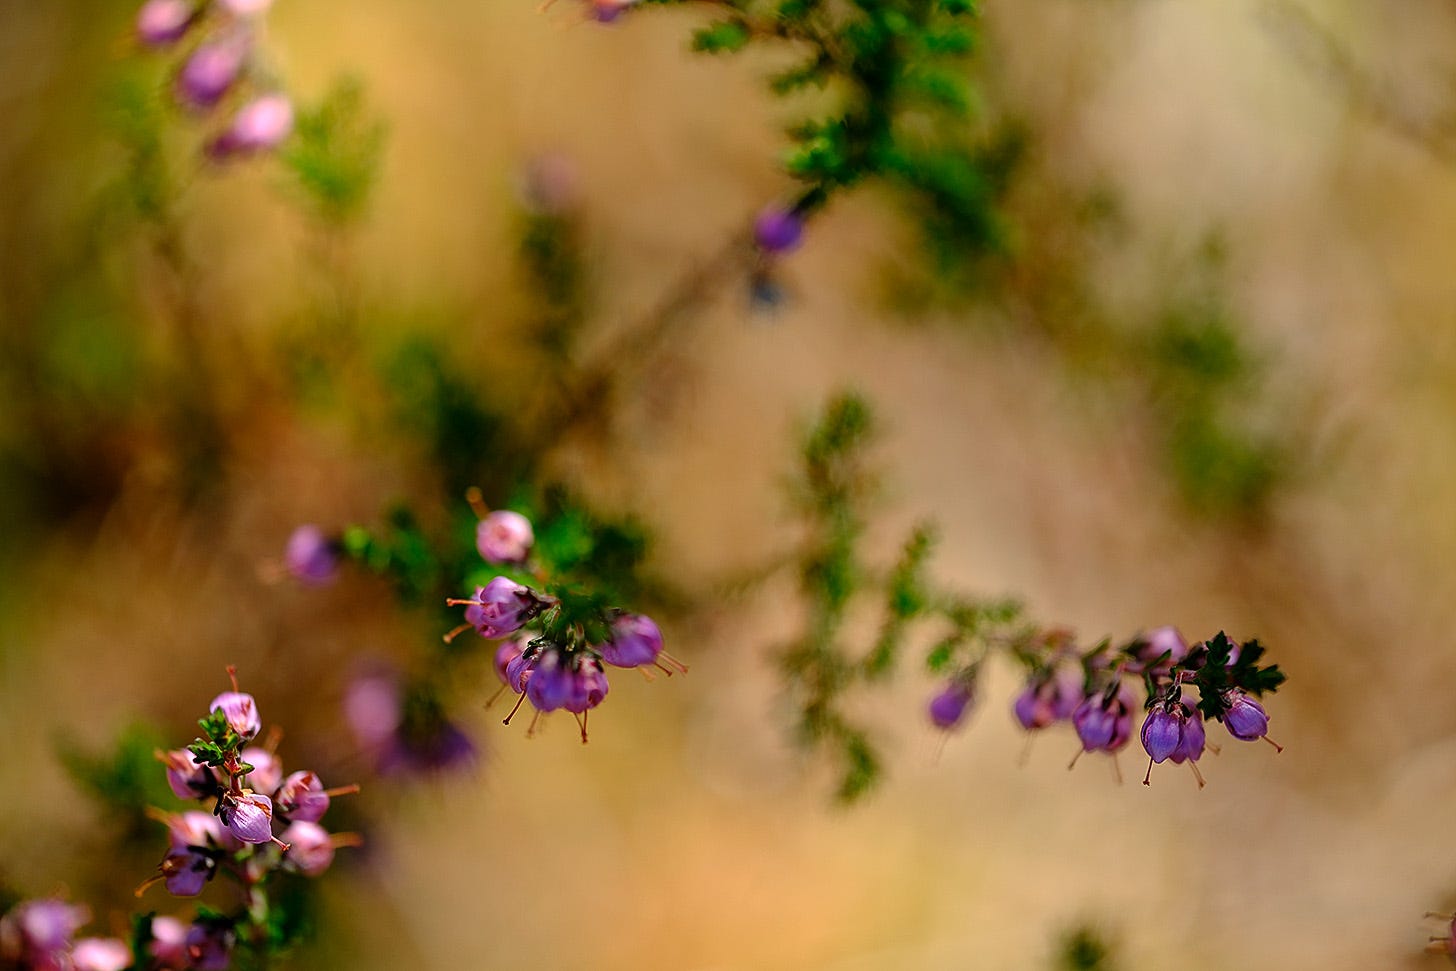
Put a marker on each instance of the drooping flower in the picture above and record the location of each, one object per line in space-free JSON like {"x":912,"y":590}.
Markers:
{"x":211,"y":71}
{"x":1162,"y":732}
{"x":310,"y":848}
{"x":249,"y":816}
{"x":778,"y":230}
{"x":185,"y":776}
{"x":37,"y":933}
{"x":186,"y":872}
{"x":302,"y":798}
{"x":1103,"y":720}
{"x":588,"y":687}
{"x":550,"y":683}
{"x":311,"y":557}
{"x":169,"y":944}
{"x":241,"y":711}
{"x":504,"y":536}
{"x":949,"y":708}
{"x":100,"y":954}
{"x":1244,"y":717}
{"x":161,"y":23}
{"x":209,"y":946}
{"x":267,"y":772}
{"x":635,"y":640}
{"x":501,"y":607}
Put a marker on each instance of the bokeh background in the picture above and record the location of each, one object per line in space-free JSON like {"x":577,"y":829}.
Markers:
{"x":1283,"y":169}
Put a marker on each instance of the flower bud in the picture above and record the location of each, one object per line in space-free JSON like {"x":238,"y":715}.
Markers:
{"x":302,"y":797}
{"x":635,"y":640}
{"x":1244,"y":717}
{"x":948,"y":708}
{"x":211,"y":71}
{"x":267,"y":772}
{"x":1104,"y":723}
{"x":249,"y":816}
{"x":241,"y":712}
{"x":100,"y":954}
{"x":778,"y":230}
{"x":161,"y":23}
{"x":310,"y":850}
{"x":168,"y":946}
{"x":186,"y":777}
{"x":504,"y":537}
{"x":209,"y":946}
{"x":311,"y":557}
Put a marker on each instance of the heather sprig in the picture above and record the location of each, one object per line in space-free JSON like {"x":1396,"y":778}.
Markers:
{"x":1094,"y":689}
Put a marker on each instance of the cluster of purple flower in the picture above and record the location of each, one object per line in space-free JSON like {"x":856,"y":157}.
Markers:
{"x":39,"y":934}
{"x":219,"y":64}
{"x":1091,"y":691}
{"x":248,"y":790}
{"x":558,"y":662}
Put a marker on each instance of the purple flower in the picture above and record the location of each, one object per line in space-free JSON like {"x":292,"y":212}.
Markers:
{"x":549,"y":184}
{"x":38,"y":932}
{"x":196,"y":829}
{"x":169,"y":947}
{"x":161,"y":23}
{"x":1162,"y":733}
{"x":302,"y":798}
{"x":310,"y":849}
{"x":185,"y":873}
{"x":1104,"y":722}
{"x":504,"y":537}
{"x":778,"y":230}
{"x":311,"y":557}
{"x":549,"y":685}
{"x":948,"y":708}
{"x":506,"y":654}
{"x":439,"y":746}
{"x":503,"y":607}
{"x":267,"y":772}
{"x":372,"y":708}
{"x":241,"y":712}
{"x":1159,"y":642}
{"x":187,"y":779}
{"x":209,"y":946}
{"x":635,"y":640}
{"x":606,"y":11}
{"x":249,"y":816}
{"x":1190,"y":745}
{"x":100,"y":954}
{"x":1049,"y":698}
{"x":588,"y":685}
{"x":1244,"y":717}
{"x":211,"y":71}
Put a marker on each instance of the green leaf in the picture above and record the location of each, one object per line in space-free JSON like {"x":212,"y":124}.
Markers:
{"x":726,"y":37}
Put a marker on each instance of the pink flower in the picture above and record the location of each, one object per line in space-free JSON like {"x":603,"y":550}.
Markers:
{"x":504,"y":537}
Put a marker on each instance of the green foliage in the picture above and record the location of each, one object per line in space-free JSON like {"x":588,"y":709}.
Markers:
{"x":124,"y":780}
{"x":336,"y":151}
{"x":1215,"y":676}
{"x":1085,"y":948}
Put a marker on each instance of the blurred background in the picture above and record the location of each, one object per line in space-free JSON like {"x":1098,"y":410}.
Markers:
{"x":1207,"y":382}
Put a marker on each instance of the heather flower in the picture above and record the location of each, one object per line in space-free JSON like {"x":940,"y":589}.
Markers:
{"x":1162,"y":733}
{"x":1191,"y":744}
{"x":948,"y":708}
{"x":161,"y":23}
{"x":1048,"y":698}
{"x":550,"y":683}
{"x":372,"y":708}
{"x":436,"y":745}
{"x":504,"y":537}
{"x":249,"y":816}
{"x":186,"y":778}
{"x":1103,"y":721}
{"x":588,"y":685}
{"x":549,"y":184}
{"x":303,"y":798}
{"x":311,"y":557}
{"x":209,"y":946}
{"x":503,"y":606}
{"x":169,"y":944}
{"x":196,"y":829}
{"x":310,"y":848}
{"x":37,"y":933}
{"x":267,"y":772}
{"x":241,"y":712}
{"x":260,"y":125}
{"x":606,"y":11}
{"x":1244,"y":717}
{"x":634,"y":640}
{"x":100,"y":954}
{"x":507,"y":654}
{"x":185,"y":872}
{"x":778,"y":230}
{"x":211,"y":71}
{"x":1160,"y":649}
